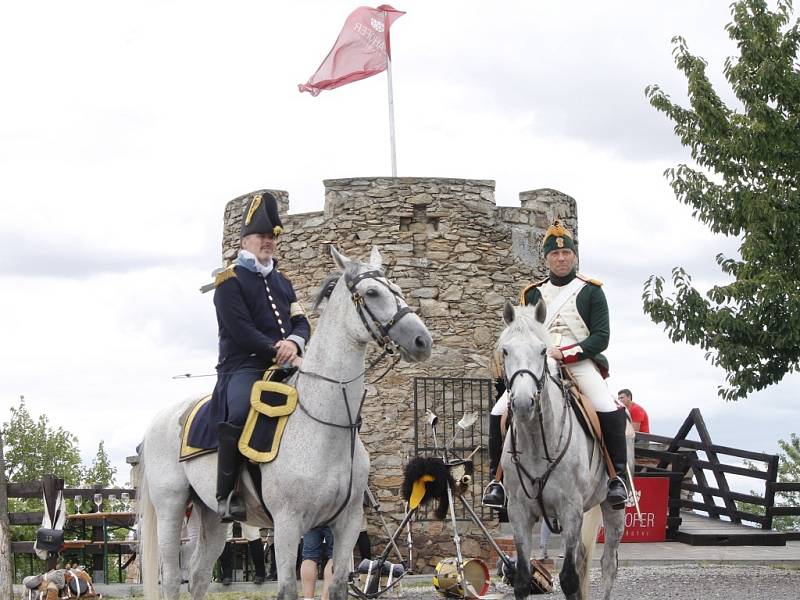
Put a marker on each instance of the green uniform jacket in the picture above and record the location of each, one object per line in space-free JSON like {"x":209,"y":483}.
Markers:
{"x":593,"y":309}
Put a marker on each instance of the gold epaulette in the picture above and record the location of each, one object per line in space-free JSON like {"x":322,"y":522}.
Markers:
{"x":588,"y":279}
{"x":223,"y":276}
{"x":529,"y":287}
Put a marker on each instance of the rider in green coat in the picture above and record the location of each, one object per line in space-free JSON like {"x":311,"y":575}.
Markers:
{"x":577,"y":318}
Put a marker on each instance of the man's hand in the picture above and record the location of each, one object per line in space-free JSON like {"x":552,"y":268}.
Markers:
{"x":555,"y":352}
{"x":286,"y":352}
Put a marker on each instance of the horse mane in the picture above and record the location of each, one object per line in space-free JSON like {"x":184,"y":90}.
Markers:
{"x":329,"y":282}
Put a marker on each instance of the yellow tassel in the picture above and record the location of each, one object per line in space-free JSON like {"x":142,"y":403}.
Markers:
{"x":418,"y":491}
{"x":277,"y":230}
{"x":224,"y":276}
{"x":253,"y":208}
{"x":558,"y":230}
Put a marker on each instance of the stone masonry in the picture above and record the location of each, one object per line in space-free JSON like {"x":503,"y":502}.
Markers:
{"x":457,"y":257}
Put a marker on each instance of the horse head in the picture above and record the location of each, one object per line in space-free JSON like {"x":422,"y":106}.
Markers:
{"x":378,"y":311}
{"x":522,"y":351}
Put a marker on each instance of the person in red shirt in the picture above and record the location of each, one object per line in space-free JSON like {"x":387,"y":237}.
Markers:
{"x":639,"y":418}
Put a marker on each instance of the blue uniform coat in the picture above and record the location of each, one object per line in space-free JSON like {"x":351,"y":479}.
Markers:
{"x":249,"y":326}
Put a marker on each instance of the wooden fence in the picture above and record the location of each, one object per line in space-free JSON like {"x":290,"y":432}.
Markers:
{"x":708,"y":482}
{"x":97,"y":548}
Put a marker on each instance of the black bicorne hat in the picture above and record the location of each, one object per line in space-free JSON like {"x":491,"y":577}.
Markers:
{"x":261,"y":215}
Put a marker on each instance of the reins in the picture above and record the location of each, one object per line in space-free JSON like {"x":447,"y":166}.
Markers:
{"x":541,"y":481}
{"x":380,"y":334}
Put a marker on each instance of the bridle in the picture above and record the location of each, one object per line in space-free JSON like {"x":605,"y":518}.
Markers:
{"x":379,"y":331}
{"x":380,"y":334}
{"x":539,"y":482}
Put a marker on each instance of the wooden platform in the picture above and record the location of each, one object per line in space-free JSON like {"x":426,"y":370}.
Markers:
{"x":697,"y":530}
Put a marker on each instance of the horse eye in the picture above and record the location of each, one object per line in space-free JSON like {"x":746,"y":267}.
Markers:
{"x":544,"y":351}
{"x":372,"y":292}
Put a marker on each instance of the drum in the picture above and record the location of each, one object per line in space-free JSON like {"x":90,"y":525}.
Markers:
{"x":476,"y":575}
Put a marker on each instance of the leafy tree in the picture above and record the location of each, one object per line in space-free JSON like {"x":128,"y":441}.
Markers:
{"x":34,"y":449}
{"x":788,"y":472}
{"x":101,"y":473}
{"x":744,"y":183}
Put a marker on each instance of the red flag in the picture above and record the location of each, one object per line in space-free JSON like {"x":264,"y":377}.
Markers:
{"x":361,"y":50}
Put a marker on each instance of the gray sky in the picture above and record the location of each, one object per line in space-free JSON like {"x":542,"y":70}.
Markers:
{"x":126,"y":127}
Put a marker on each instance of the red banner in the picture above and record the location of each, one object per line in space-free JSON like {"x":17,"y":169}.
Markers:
{"x":651,"y":524}
{"x":361,"y":50}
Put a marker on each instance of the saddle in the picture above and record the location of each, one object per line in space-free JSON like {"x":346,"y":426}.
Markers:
{"x":587,"y":417}
{"x":271,"y":403}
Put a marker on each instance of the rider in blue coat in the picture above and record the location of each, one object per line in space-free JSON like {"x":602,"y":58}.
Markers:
{"x":261,"y":323}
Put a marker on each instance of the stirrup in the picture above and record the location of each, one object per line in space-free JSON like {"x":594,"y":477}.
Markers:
{"x":624,"y":503}
{"x":492,"y":483}
{"x":232,"y":508}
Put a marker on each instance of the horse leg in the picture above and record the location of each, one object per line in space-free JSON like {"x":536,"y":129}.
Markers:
{"x":170,"y":513}
{"x":522,"y":521}
{"x":614,"y":521}
{"x":592,"y":519}
{"x":210,"y":541}
{"x":287,"y":537}
{"x":574,"y":569}
{"x":345,"y":533}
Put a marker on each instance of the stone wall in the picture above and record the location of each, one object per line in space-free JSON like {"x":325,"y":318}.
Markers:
{"x":457,"y":256}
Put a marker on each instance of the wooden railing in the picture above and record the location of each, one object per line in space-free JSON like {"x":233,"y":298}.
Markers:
{"x":700,"y":484}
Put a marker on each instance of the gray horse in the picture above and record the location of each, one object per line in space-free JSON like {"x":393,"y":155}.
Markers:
{"x":551,"y":468}
{"x":320,"y":474}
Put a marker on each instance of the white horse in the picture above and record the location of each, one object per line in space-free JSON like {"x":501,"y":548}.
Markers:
{"x":551,"y":467}
{"x":320,"y":473}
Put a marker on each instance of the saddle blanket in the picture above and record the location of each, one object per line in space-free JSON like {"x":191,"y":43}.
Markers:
{"x":271,"y":403}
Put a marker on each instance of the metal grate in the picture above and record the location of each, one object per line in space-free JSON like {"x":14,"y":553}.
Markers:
{"x":450,"y":398}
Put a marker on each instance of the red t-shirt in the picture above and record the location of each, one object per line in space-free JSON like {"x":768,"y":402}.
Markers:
{"x":638,"y":415}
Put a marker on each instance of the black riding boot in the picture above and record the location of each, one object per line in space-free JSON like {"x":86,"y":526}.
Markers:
{"x":613,"y":426}
{"x":495,"y":495}
{"x":256,"y":548}
{"x":229,"y":459}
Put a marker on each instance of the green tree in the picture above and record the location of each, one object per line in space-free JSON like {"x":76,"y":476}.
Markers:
{"x":788,"y":472}
{"x":34,"y":448}
{"x":744,"y":183}
{"x":101,"y":473}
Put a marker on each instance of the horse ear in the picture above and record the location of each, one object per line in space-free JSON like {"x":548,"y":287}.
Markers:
{"x":340,"y":259}
{"x":375,"y":259}
{"x":541,"y":311}
{"x":508,"y":313}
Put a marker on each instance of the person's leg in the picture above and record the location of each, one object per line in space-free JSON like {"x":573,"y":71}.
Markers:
{"x":231,"y":505}
{"x":255,"y":548}
{"x":273,"y":568}
{"x":612,"y":423}
{"x":312,"y":554}
{"x":326,"y":580}
{"x":495,"y":494}
{"x":226,"y":565}
{"x":308,"y":577}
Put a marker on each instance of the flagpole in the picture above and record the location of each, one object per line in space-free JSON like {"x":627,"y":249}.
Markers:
{"x":391,"y":116}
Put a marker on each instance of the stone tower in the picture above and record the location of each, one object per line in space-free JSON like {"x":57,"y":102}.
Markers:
{"x":456,"y":255}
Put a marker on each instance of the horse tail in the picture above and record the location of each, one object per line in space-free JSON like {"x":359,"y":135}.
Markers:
{"x":592,"y":519}
{"x":148,"y":534}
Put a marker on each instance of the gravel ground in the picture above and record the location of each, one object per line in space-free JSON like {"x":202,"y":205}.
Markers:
{"x":684,"y":582}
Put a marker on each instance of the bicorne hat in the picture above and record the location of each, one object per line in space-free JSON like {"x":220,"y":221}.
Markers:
{"x":261,"y":215}
{"x":556,"y":237}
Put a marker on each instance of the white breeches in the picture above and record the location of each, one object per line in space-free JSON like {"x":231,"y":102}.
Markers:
{"x":590,"y":382}
{"x":592,"y":385}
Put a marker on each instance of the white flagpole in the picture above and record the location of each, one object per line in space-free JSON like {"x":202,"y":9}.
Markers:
{"x":391,"y":116}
